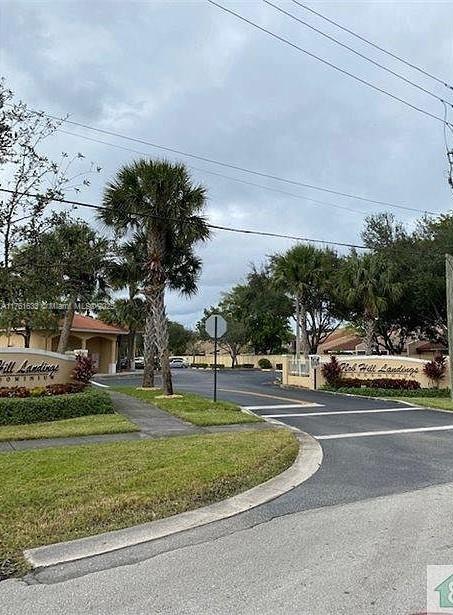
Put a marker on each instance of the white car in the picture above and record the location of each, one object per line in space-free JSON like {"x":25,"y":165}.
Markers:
{"x":178,"y":362}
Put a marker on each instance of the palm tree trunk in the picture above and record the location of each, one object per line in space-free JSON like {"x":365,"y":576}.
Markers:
{"x":131,"y":348}
{"x":161,"y":329}
{"x":370,"y":328}
{"x":297,"y":330}
{"x":148,"y":350}
{"x":66,"y":328}
{"x":305,"y":346}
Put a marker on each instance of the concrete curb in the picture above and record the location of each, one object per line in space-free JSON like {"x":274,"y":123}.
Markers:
{"x":306,"y":464}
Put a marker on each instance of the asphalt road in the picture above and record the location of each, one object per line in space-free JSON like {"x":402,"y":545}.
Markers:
{"x":355,"y":538}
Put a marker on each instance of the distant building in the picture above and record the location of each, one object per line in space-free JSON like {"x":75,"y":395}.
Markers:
{"x":346,"y":341}
{"x":97,"y":337}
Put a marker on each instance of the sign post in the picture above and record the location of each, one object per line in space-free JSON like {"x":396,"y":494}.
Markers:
{"x":215,"y":327}
{"x":449,"y":291}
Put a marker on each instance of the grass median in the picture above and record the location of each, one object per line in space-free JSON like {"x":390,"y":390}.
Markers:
{"x":81,"y":426}
{"x":59,"y":494}
{"x":193,"y":408}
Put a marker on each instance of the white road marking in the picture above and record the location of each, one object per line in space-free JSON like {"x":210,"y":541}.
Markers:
{"x":271,"y":416}
{"x":282,"y":406}
{"x":361,"y":434}
{"x":98,"y":384}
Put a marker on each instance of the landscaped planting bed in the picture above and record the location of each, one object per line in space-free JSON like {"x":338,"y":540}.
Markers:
{"x":377,"y":392}
{"x":20,"y":410}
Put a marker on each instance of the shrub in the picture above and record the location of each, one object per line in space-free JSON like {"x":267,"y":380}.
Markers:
{"x":39,"y":391}
{"x":219,"y":365}
{"x":246,"y":365}
{"x":84,"y":369}
{"x":435,"y":369}
{"x":52,"y":408}
{"x":265,"y":364}
{"x":14,"y":392}
{"x":200,"y":365}
{"x":332,"y":371}
{"x":371,"y":392}
{"x":377,"y":383}
{"x":61,"y":389}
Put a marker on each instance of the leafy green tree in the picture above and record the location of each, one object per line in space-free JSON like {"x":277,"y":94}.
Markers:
{"x":69,"y":262}
{"x":368,"y":285}
{"x":28,"y":310}
{"x":179,"y":338}
{"x":26,"y":169}
{"x":263,"y":311}
{"x":433,"y":238}
{"x":236,"y":336}
{"x":309,"y":277}
{"x":401,"y":319}
{"x":158,"y":199}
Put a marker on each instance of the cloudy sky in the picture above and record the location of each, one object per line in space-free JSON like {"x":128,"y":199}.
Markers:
{"x":188,"y":76}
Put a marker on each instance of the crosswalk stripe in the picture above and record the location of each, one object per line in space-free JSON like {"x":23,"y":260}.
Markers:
{"x":374,"y":411}
{"x":282,"y":406}
{"x":361,"y":434}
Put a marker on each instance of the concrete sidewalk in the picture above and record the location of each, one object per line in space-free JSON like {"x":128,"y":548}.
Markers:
{"x":153,"y":423}
{"x":151,"y":420}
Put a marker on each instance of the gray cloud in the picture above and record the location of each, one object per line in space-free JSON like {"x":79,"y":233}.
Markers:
{"x":186,"y":75}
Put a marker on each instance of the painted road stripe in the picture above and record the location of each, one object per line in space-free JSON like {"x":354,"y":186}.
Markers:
{"x":282,"y":406}
{"x":362,"y":434}
{"x":300,"y":402}
{"x":98,"y":384}
{"x":272,"y":416}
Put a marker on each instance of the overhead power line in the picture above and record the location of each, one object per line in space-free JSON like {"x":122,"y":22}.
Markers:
{"x":212,"y":226}
{"x":327,"y":63}
{"x":358,"y":53}
{"x":235,"y":166}
{"x":365,"y":40}
{"x":222,"y":175}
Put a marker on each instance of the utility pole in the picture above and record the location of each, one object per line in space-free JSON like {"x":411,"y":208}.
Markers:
{"x":449,"y":290}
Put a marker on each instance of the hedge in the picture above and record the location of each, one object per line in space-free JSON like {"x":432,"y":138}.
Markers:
{"x":373,"y":392}
{"x":36,"y":409}
{"x":265,"y":364}
{"x":376,"y":383}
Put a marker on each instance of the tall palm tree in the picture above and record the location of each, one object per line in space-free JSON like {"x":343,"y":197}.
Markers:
{"x":157,"y":199}
{"x":368,"y":285}
{"x":127,"y":271}
{"x":302,"y":272}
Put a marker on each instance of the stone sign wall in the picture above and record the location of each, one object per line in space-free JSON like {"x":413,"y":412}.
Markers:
{"x":29,"y":367}
{"x":366,"y":367}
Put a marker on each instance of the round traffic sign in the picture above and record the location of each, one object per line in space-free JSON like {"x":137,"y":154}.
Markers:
{"x":210,"y":325}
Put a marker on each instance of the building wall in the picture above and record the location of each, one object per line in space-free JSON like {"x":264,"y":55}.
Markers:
{"x":225,"y":359}
{"x":37,"y":340}
{"x":102,"y":346}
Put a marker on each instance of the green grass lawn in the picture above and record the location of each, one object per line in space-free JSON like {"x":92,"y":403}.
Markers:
{"x":81,"y":426}
{"x":56,"y":494}
{"x":194,"y":408}
{"x":431,"y":402}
